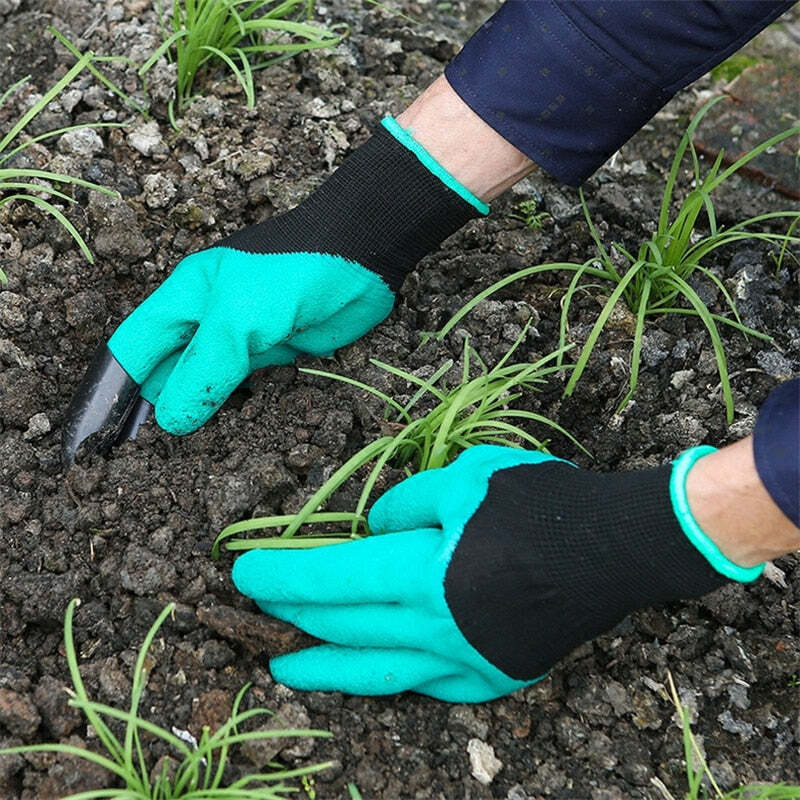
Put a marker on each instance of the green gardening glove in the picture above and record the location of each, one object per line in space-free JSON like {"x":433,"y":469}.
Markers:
{"x":488,"y":572}
{"x":308,"y":281}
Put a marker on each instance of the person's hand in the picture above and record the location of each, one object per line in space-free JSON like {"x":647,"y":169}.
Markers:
{"x":308,"y":281}
{"x":487,"y":572}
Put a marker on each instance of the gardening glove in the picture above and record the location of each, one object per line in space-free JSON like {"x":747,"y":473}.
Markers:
{"x":488,"y":572}
{"x":308,"y":281}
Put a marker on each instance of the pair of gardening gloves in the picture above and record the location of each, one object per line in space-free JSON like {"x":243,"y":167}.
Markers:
{"x":482,"y":574}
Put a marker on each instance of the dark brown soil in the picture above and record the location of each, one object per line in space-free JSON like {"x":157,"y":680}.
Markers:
{"x":132,"y":531}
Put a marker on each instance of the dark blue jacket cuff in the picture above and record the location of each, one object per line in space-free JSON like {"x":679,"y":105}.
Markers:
{"x":568,"y":83}
{"x":776,"y":447}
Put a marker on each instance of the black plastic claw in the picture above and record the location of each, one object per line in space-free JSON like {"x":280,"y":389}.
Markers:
{"x":106,"y":406}
{"x":140,"y":412}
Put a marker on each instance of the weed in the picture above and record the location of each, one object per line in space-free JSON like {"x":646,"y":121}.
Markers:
{"x":732,"y":67}
{"x":658,"y":277}
{"x":701,"y":783}
{"x":473,"y":411}
{"x":526,"y":211}
{"x":242,"y":35}
{"x":199,"y":775}
{"x":28,"y":185}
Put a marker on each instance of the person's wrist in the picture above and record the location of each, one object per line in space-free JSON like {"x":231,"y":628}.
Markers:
{"x":463,"y":143}
{"x":731,"y":505}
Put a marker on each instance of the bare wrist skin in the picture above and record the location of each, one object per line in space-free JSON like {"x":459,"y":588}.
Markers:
{"x":469,"y":149}
{"x":731,"y":505}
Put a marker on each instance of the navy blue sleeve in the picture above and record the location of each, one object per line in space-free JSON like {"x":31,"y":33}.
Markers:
{"x":776,"y":447}
{"x":568,"y":83}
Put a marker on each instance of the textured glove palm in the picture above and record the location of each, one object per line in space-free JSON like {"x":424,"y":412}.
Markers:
{"x":489,"y":571}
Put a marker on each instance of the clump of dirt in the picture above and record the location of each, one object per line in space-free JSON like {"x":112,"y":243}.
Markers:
{"x":129,"y":532}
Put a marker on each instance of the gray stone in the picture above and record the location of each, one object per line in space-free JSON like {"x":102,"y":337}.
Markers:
{"x":159,"y":190}
{"x":147,"y":139}
{"x":38,"y":426}
{"x":83,"y":142}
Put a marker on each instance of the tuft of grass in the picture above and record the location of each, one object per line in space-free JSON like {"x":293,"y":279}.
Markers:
{"x":474,"y":411}
{"x":700,"y":781}
{"x":657,"y":279}
{"x":199,"y":773}
{"x":28,"y":185}
{"x":240,"y":35}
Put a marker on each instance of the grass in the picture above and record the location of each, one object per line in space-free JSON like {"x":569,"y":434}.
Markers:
{"x":28,"y":185}
{"x":200,"y":771}
{"x":700,"y":780}
{"x":240,"y":35}
{"x":474,"y":411}
{"x":657,"y":279}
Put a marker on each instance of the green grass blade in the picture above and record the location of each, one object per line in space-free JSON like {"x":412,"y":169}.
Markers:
{"x":402,"y":412}
{"x":599,"y":325}
{"x":719,"y":351}
{"x":53,"y":211}
{"x":636,"y":353}
{"x":44,"y":101}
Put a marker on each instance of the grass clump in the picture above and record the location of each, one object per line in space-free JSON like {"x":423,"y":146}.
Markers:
{"x":241,"y":35}
{"x":700,"y":780}
{"x":474,"y":411}
{"x":656,"y":280}
{"x":28,"y":185}
{"x":199,"y":770}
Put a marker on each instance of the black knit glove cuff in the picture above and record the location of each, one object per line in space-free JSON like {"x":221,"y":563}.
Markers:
{"x":385,"y":208}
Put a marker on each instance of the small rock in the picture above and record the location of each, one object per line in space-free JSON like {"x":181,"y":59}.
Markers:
{"x":681,"y":377}
{"x":617,"y":695}
{"x":775,"y":364}
{"x":147,"y":139}
{"x":463,"y":718}
{"x":484,"y":763}
{"x":38,"y":425}
{"x":738,"y":695}
{"x":159,"y":190}
{"x":775,"y":575}
{"x":289,"y":715}
{"x":83,"y":142}
{"x":732,"y":725}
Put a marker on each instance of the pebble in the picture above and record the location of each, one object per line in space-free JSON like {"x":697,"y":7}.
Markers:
{"x":732,"y":725}
{"x":775,"y":364}
{"x":681,"y":377}
{"x":147,"y":139}
{"x":484,"y":763}
{"x":289,"y":715}
{"x":38,"y":425}
{"x":84,"y":142}
{"x":159,"y":190}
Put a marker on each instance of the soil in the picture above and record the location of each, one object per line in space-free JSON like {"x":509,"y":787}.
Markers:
{"x":131,"y":531}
